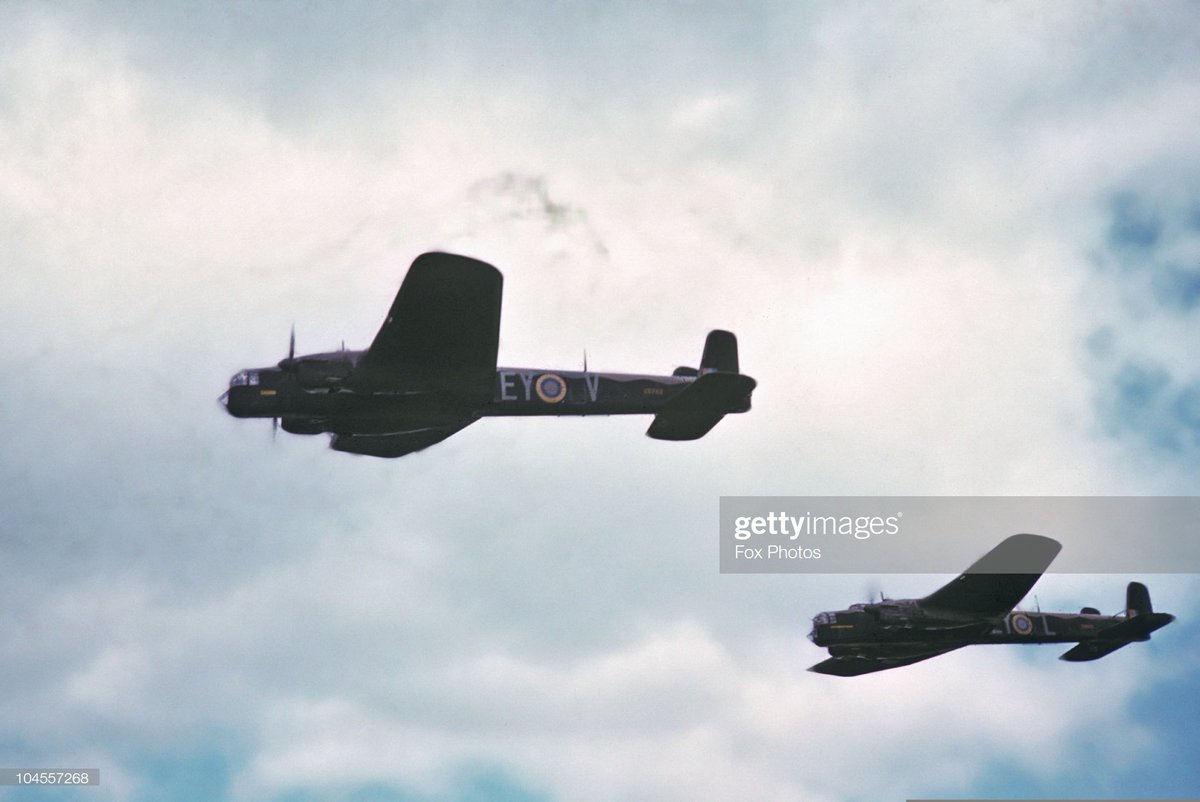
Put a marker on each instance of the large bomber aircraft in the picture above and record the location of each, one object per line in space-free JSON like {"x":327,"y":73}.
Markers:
{"x":431,"y":371}
{"x":977,"y":607}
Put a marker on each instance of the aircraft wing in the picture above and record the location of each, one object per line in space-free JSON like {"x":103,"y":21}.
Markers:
{"x":870,"y":659}
{"x":396,"y":444}
{"x":997,"y":581}
{"x":443,"y":327}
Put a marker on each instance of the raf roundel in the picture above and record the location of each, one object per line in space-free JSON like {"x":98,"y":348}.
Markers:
{"x":551,"y":388}
{"x":1021,"y":624}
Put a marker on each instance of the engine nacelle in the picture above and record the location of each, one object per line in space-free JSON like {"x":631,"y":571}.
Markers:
{"x":302,"y":425}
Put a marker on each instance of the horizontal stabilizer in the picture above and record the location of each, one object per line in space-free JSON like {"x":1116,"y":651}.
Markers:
{"x":1092,"y":650}
{"x":694,"y":412}
{"x":1135,"y":628}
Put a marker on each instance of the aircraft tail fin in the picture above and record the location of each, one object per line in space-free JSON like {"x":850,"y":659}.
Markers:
{"x":720,"y":352}
{"x":1137,"y":599}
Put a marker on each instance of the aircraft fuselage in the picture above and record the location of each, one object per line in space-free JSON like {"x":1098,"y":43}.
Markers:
{"x":431,"y":371}
{"x":977,"y":607}
{"x":906,"y":622}
{"x":316,"y":394}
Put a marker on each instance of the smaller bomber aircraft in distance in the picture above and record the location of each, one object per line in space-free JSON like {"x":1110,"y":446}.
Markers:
{"x":431,"y":371}
{"x":977,"y":607}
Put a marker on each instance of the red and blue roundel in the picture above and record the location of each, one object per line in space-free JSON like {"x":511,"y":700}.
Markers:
{"x":1021,"y":624}
{"x":551,"y":388}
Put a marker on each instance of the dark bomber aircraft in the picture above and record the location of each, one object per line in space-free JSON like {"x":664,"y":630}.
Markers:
{"x":431,"y":371}
{"x":977,"y":607}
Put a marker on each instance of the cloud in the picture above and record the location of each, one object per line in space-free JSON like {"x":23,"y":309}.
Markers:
{"x":1145,"y":400}
{"x":1146,"y":385}
{"x":1133,"y":227}
{"x":337,"y":673}
{"x":916,"y":220}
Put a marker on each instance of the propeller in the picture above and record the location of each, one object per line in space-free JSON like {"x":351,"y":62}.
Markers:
{"x":289,"y":365}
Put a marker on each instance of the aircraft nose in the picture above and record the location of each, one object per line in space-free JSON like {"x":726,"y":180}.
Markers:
{"x":223,"y":400}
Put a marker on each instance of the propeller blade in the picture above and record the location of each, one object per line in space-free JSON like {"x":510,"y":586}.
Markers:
{"x":289,"y":362}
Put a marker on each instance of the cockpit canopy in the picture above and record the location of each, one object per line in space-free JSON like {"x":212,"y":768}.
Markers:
{"x":244,"y":378}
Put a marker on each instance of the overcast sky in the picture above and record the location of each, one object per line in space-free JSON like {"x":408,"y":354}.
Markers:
{"x":960,"y":246}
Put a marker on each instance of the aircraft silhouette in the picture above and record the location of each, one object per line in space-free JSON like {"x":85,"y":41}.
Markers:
{"x":977,"y":607}
{"x":431,"y":371}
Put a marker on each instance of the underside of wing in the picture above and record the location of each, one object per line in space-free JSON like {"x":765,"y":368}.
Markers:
{"x":443,"y":327}
{"x":997,"y":581}
{"x":870,"y":659}
{"x":396,"y":444}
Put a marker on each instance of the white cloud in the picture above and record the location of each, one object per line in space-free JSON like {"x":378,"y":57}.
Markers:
{"x":895,"y":220}
{"x":678,"y":716}
{"x":706,"y":110}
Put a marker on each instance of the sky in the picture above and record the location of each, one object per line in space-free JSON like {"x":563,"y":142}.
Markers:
{"x":959,"y":244}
